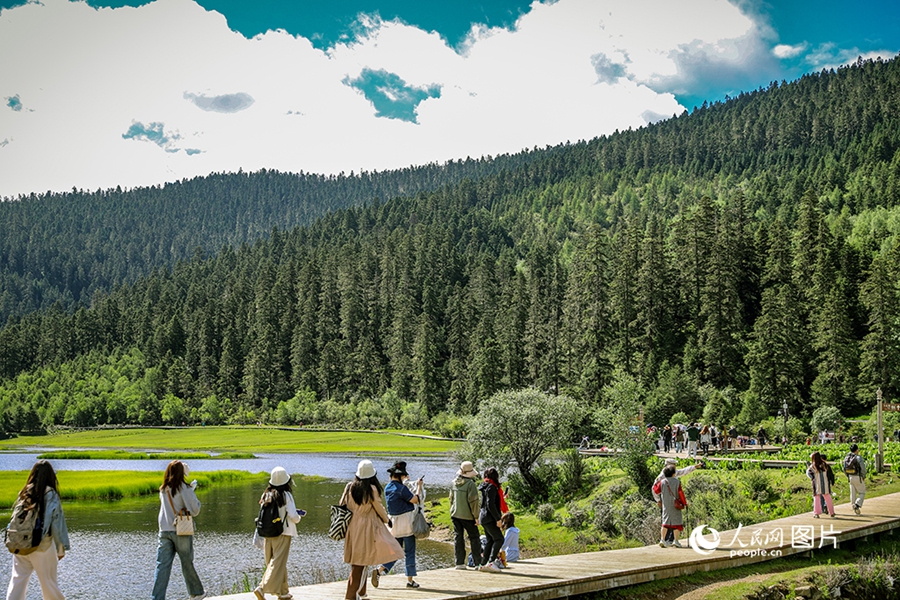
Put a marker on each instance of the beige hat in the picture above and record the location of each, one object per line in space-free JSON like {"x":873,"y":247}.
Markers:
{"x":365,"y":469}
{"x":671,"y":461}
{"x":467,"y":469}
{"x":279,"y":476}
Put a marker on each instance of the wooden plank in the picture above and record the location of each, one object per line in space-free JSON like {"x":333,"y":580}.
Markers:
{"x":552,"y":577}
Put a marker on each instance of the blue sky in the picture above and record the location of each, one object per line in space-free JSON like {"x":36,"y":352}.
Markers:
{"x":128,"y":92}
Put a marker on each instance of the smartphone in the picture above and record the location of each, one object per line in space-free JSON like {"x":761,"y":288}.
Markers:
{"x":301,"y":512}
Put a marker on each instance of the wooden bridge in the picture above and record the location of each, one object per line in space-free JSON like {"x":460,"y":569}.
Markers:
{"x":570,"y":575}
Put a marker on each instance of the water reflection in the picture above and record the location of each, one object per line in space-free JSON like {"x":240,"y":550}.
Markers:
{"x":114,"y":543}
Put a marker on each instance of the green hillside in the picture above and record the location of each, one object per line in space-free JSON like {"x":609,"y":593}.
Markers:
{"x":66,"y":247}
{"x":736,"y":257}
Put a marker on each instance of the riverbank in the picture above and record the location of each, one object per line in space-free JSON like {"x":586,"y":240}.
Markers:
{"x":239,"y":439}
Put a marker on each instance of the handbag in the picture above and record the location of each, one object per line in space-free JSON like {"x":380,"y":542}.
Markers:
{"x":340,"y":521}
{"x":420,"y":526}
{"x":184,"y":522}
{"x":680,"y":502}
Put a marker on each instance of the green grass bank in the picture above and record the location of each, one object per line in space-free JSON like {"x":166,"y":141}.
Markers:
{"x":246,"y":439}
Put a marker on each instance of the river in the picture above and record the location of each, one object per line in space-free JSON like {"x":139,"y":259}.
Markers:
{"x":113,"y":553}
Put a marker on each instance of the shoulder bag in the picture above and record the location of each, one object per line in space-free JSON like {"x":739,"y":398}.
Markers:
{"x":340,"y":519}
{"x":184,"y":522}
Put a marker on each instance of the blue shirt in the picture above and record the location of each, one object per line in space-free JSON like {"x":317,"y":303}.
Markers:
{"x":398,"y":498}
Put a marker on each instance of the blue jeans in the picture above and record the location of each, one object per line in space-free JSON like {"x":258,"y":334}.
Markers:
{"x":171,"y":544}
{"x":409,"y":549}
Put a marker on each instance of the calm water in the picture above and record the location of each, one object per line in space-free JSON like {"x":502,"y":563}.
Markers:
{"x":114,"y":543}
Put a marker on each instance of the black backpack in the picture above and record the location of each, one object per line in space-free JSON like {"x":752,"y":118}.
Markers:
{"x":269,"y":523}
{"x":851,"y":467}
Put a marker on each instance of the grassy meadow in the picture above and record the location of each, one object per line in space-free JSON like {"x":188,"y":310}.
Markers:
{"x":248,"y":439}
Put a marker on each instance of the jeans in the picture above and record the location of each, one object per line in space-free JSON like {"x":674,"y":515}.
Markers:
{"x":171,"y":544}
{"x":494,"y":541}
{"x":409,"y":549}
{"x":461,"y":528}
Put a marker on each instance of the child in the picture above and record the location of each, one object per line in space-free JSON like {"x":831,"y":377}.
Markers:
{"x":509,"y":551}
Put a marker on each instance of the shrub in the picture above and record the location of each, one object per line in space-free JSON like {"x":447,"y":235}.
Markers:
{"x":545,"y":513}
{"x":577,"y":518}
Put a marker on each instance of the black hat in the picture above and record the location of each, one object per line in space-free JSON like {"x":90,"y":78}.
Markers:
{"x":853,"y":447}
{"x":399,"y":468}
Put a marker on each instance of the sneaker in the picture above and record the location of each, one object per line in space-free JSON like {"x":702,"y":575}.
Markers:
{"x":412,"y":584}
{"x":461,"y":568}
{"x":856,"y":509}
{"x":677,"y":544}
{"x":376,"y":576}
{"x":663,"y":544}
{"x":490,"y":567}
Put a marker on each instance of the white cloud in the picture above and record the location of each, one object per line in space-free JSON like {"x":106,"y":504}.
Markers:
{"x":830,"y":56}
{"x":788,"y":51}
{"x":572,"y":69}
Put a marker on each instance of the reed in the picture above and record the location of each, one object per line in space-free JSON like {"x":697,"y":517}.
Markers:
{"x":112,"y":485}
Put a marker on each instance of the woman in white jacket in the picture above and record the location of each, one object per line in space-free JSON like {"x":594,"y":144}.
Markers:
{"x":275,"y":579}
{"x":176,"y":496}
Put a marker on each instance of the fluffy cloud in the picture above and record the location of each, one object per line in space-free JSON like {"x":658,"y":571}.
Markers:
{"x":788,"y":51}
{"x":393,"y":96}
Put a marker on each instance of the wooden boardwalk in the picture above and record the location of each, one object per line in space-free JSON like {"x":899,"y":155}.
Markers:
{"x":573,"y":574}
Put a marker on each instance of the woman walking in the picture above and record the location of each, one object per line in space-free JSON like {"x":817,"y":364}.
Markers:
{"x":176,"y":497}
{"x":705,"y":439}
{"x":672,"y":501}
{"x":41,"y":494}
{"x":822,"y":479}
{"x":493,"y":505}
{"x":402,"y":499}
{"x":277,"y":548}
{"x":667,"y":439}
{"x":368,"y":541}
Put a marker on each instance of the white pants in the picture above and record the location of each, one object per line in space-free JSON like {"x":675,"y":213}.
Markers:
{"x":857,"y":490}
{"x":692,"y":449}
{"x":41,"y":562}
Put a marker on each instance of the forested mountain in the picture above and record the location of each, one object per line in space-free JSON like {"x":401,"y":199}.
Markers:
{"x":728,"y":260}
{"x":65,"y":247}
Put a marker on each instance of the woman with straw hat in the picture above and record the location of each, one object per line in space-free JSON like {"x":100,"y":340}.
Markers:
{"x":368,"y":541}
{"x":275,"y":579}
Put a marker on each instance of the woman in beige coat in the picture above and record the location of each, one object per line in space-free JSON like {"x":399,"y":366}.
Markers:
{"x":368,"y":541}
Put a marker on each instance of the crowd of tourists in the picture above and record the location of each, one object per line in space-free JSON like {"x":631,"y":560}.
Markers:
{"x":380,"y":528}
{"x":694,"y":438}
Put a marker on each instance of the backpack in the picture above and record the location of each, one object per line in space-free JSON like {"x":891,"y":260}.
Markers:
{"x":269,"y":523}
{"x":25,"y":530}
{"x":851,"y":467}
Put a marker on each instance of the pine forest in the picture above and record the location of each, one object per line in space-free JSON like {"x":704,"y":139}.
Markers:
{"x":725,"y":261}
